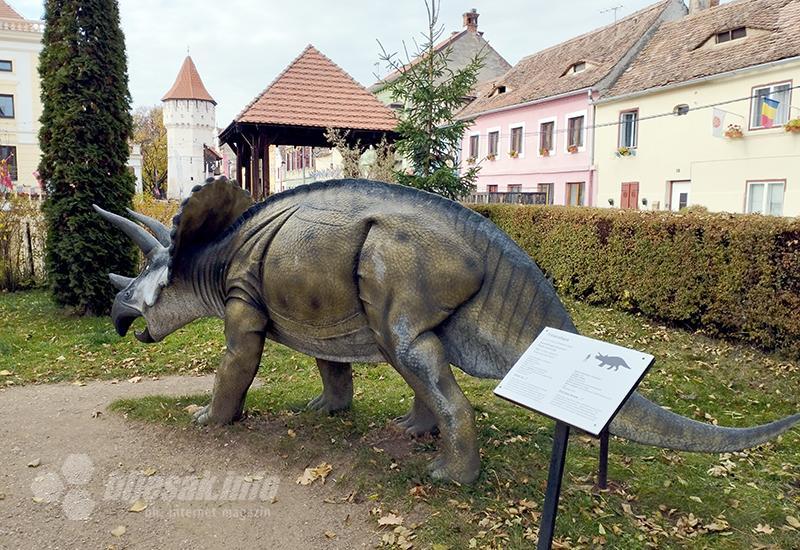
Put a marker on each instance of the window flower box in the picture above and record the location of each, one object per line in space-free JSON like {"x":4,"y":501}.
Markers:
{"x":471,"y":160}
{"x":625,"y":152}
{"x":513,"y":154}
{"x":572,"y":149}
{"x":544,"y":152}
{"x":734,"y":131}
{"x":491,"y":156}
{"x":793,"y":126}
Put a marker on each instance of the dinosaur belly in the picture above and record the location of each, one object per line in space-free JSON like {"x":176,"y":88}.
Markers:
{"x":309,"y":282}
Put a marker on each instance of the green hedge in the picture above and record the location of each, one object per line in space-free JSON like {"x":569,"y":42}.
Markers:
{"x":736,"y":276}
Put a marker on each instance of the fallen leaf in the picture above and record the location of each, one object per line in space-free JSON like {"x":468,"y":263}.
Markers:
{"x":35,"y":463}
{"x":696,"y":499}
{"x":149,"y":472}
{"x":135,"y":379}
{"x":312,"y":474}
{"x":390,"y":519}
{"x":290,"y":432}
{"x":191,"y":409}
{"x":793,"y":522}
{"x":330,"y":534}
{"x":6,"y":373}
{"x":766,"y":529}
{"x":61,"y":358}
{"x":138,"y":506}
{"x":119,"y":530}
{"x":38,"y":500}
{"x":96,"y":414}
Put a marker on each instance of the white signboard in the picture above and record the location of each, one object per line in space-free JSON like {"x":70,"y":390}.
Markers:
{"x":577,"y":380}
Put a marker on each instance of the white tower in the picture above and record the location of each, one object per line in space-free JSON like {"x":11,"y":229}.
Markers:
{"x":190,"y":119}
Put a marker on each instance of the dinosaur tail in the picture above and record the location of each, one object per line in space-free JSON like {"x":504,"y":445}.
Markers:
{"x":645,"y":422}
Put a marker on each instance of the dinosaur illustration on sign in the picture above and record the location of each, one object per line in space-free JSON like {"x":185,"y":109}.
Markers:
{"x":611,"y":361}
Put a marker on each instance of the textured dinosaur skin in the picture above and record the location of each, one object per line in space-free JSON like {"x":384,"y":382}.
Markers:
{"x":352,"y":270}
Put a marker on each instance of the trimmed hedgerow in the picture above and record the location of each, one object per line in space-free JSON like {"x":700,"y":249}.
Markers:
{"x":736,"y":276}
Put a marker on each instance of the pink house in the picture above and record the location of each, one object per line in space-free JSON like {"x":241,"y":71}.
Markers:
{"x":533,"y":127}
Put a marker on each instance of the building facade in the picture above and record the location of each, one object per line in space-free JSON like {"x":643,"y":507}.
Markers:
{"x":190,"y":121}
{"x":20,"y":98}
{"x":688,"y":114}
{"x":532,"y":130}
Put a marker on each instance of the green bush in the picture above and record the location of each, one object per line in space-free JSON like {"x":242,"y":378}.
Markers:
{"x":736,"y":276}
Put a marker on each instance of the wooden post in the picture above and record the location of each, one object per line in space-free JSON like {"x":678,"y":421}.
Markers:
{"x":239,"y":166}
{"x":255,"y":188}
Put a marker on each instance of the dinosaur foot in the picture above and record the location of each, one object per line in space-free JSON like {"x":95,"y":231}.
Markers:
{"x":417,"y":424}
{"x":328,"y":404}
{"x":203,"y":417}
{"x":455,"y":470}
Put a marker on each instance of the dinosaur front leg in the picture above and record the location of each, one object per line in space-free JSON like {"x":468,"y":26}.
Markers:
{"x":337,"y":387}
{"x":244,"y":335}
{"x":420,"y":420}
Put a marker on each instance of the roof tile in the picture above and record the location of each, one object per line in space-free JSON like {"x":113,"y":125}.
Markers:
{"x":188,"y":85}
{"x":678,"y":51}
{"x":7,"y":12}
{"x":314,"y":91}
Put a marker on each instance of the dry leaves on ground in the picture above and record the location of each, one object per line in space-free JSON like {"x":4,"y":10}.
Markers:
{"x":310,"y":475}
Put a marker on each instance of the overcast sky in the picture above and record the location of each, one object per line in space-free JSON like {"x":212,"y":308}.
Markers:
{"x":240,"y":46}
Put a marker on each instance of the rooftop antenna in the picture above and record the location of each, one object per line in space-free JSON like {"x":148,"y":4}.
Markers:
{"x":615,"y":9}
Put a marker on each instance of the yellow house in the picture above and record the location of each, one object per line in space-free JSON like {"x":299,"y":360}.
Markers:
{"x":684,"y":124}
{"x":20,"y":104}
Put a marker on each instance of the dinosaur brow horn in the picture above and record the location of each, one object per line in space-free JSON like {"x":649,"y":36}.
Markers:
{"x":159,"y":229}
{"x":120,"y":282}
{"x":142,"y":238}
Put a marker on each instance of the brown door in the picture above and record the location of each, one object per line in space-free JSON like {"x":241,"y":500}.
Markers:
{"x":630,"y":195}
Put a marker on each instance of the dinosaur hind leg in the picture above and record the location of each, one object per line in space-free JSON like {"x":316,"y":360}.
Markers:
{"x":337,"y":387}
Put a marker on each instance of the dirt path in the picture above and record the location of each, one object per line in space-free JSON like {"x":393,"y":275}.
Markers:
{"x":193,"y":481}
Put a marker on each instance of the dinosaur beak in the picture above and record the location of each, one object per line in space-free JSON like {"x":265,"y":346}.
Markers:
{"x":123,"y":316}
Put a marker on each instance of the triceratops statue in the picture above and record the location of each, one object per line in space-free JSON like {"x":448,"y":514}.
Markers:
{"x":355,"y":270}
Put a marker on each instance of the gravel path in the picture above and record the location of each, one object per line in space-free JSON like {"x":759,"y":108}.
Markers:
{"x":60,"y":459}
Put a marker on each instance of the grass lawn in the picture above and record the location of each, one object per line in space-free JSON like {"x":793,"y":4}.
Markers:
{"x":659,"y":499}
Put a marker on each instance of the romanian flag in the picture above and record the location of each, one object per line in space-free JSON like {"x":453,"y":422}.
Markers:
{"x":769,"y":110}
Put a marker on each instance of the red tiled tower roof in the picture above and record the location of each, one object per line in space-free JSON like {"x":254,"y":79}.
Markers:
{"x":7,"y":12}
{"x":188,"y":85}
{"x":314,"y":91}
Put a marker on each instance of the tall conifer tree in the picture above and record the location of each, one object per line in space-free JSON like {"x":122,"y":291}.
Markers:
{"x":86,"y":125}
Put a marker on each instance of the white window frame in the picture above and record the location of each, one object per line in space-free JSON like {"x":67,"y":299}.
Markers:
{"x":754,"y":97}
{"x":520,"y":154}
{"x":469,"y":145}
{"x":499,"y":139}
{"x":554,"y":145}
{"x":635,"y":128}
{"x":568,"y":116}
{"x":766,"y":184}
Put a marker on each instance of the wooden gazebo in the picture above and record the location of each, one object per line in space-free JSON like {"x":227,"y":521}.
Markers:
{"x":309,"y":96}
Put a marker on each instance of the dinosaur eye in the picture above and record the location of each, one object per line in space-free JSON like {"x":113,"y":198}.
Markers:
{"x":128,"y":294}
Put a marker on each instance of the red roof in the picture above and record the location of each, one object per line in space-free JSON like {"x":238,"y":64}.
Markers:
{"x":7,"y":12}
{"x":314,"y":91}
{"x":188,"y":85}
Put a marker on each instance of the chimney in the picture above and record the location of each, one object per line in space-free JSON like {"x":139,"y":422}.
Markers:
{"x":471,"y":20}
{"x":696,"y":6}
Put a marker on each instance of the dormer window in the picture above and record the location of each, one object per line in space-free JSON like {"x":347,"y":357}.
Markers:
{"x":500,"y":89}
{"x":578,"y":67}
{"x":733,"y":34}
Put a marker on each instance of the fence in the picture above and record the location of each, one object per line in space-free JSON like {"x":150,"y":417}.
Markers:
{"x":508,"y":198}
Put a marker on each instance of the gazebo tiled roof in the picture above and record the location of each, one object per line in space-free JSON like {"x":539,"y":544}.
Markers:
{"x":188,"y":84}
{"x":314,"y":91}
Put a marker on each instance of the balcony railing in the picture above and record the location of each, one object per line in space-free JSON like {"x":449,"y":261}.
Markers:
{"x":21,"y":25}
{"x":507,"y":198}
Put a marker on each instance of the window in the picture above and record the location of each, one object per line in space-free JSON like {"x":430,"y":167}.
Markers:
{"x":765,"y":197}
{"x":491,"y":188}
{"x":6,"y":106}
{"x":515,"y":188}
{"x":781,"y":93}
{"x":516,"y":140}
{"x":575,"y":131}
{"x":575,"y":194}
{"x":578,"y":67}
{"x":547,"y":189}
{"x":8,"y":153}
{"x":494,"y":142}
{"x":546,"y":136}
{"x":6,"y":65}
{"x":474,"y":144}
{"x":733,"y":34}
{"x":629,"y":129}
